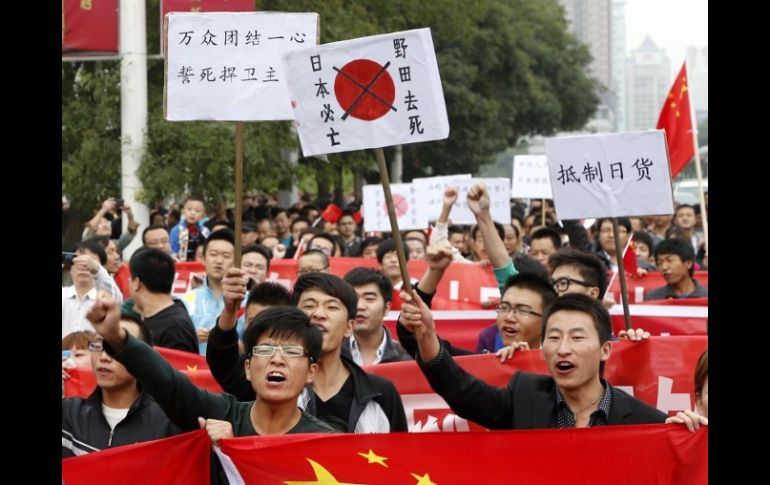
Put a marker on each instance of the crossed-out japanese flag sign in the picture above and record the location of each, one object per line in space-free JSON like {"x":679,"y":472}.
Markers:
{"x":370,"y":92}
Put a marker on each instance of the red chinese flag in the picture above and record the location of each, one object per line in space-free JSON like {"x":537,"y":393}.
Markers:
{"x":676,"y":119}
{"x":662,"y":453}
{"x":180,"y":459}
{"x":629,"y":258}
{"x":89,"y":25}
{"x":332,"y":213}
{"x":358,"y":217}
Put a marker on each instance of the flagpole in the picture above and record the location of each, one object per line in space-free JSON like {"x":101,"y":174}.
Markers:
{"x":704,"y":218}
{"x":238,"y":190}
{"x":622,"y":273}
{"x":407,"y":284}
{"x":542,"y":212}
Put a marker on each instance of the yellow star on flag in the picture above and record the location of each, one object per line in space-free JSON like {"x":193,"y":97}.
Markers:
{"x":423,"y":480}
{"x":322,"y":475}
{"x":192,"y":367}
{"x":374,"y":458}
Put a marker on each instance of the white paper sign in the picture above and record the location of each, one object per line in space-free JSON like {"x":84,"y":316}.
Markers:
{"x":531,"y":179}
{"x":227,"y":66}
{"x":430,"y":192}
{"x":499,"y":199}
{"x":404,"y":202}
{"x":367,"y":93}
{"x":624,"y":174}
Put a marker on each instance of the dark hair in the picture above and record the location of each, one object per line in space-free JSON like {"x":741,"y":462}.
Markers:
{"x":284,"y":322}
{"x":679,"y":247}
{"x":275,"y":211}
{"x":455,"y":230}
{"x":350,"y":213}
{"x":701,"y":372}
{"x":547,"y":233}
{"x":154,"y":268}
{"x":219,"y":222}
{"x":259,"y":249}
{"x":305,"y":211}
{"x":194,"y":198}
{"x":152,"y":228}
{"x":298,"y":220}
{"x":533,"y":282}
{"x":586,"y":304}
{"x":331,"y":285}
{"x":590,"y":267}
{"x":644,"y":238}
{"x":331,"y":239}
{"x":144,"y":331}
{"x":622,"y":221}
{"x":419,"y":231}
{"x":498,"y":227}
{"x":317,"y":252}
{"x":370,"y":241}
{"x":683,"y":206}
{"x":364,"y":276}
{"x":515,"y":230}
{"x":220,"y":235}
{"x":269,"y":293}
{"x":387,"y":246}
{"x":527,"y":264}
{"x":93,"y":246}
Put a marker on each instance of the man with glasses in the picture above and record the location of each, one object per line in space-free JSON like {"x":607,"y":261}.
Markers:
{"x":518,"y":314}
{"x":118,"y":412}
{"x":575,"y":345}
{"x":284,"y":349}
{"x":576,"y":271}
{"x":604,"y":245}
{"x":313,"y":261}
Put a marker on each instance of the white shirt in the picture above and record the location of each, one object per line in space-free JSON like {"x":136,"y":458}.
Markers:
{"x":114,"y":415}
{"x":356,"y":353}
{"x":73,"y":309}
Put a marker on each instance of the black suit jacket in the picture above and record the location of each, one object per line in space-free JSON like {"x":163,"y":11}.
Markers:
{"x":526,"y":402}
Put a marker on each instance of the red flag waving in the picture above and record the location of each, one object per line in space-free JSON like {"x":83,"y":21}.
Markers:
{"x":332,"y":213}
{"x":629,"y":258}
{"x":676,"y":119}
{"x":663,"y":453}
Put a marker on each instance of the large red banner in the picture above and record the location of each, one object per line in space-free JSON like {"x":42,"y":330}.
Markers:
{"x":661,"y":453}
{"x":89,"y":25}
{"x":465,"y":286}
{"x":658,"y":371}
{"x":180,"y":459}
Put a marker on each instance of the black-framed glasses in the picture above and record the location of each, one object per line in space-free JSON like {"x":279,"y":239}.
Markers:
{"x":504,"y":308}
{"x":96,"y":345}
{"x":267,"y":350}
{"x":562,"y":284}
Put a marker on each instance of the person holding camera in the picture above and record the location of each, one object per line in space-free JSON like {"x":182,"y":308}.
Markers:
{"x":101,"y":223}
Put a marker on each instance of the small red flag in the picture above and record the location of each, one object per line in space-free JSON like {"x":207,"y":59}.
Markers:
{"x":332,"y":213}
{"x":358,"y":217}
{"x":629,"y":258}
{"x":676,"y":119}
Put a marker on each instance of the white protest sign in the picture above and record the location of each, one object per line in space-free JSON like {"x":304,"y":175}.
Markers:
{"x":370,"y":92}
{"x":430,"y":192}
{"x":227,"y":66}
{"x":531,"y":179}
{"x":499,"y":200}
{"x":405,"y":205}
{"x":610,"y":175}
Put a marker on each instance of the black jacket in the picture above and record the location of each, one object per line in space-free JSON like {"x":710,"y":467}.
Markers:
{"x":85,"y":429}
{"x":527,"y":402}
{"x":226,"y":365}
{"x":172,"y":328}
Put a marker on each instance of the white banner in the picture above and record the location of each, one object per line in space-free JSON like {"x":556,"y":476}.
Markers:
{"x":624,"y":174}
{"x":499,"y":200}
{"x":367,"y":93}
{"x":404,"y":202}
{"x":227,"y":66}
{"x":430,"y":192}
{"x":531,"y":179}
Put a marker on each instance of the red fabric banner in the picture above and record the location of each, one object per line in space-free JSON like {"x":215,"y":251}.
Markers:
{"x":659,"y":372}
{"x":82,"y":383}
{"x":465,"y":286}
{"x":180,"y":459}
{"x":89,"y":25}
{"x":662,"y":453}
{"x":182,"y":360}
{"x":676,"y":118}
